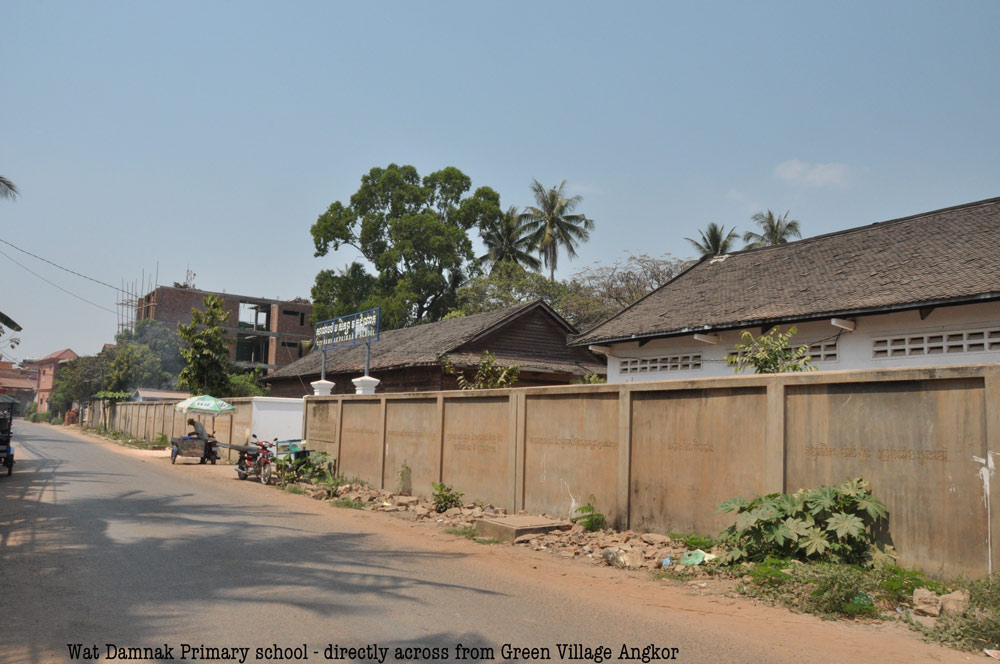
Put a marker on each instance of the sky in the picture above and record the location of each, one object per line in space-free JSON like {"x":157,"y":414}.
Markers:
{"x":149,"y":138}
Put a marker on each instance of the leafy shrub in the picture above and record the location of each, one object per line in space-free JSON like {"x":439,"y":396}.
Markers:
{"x":770,"y":353}
{"x":445,"y":497}
{"x":489,"y":374}
{"x":829,"y":523}
{"x":162,"y":440}
{"x":588,"y":517}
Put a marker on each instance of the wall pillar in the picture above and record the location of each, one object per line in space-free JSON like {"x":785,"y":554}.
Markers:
{"x":774,"y":438}
{"x":365,"y":384}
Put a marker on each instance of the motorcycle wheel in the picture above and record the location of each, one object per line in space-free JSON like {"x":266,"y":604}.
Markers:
{"x":242,"y":473}
{"x":265,"y":474}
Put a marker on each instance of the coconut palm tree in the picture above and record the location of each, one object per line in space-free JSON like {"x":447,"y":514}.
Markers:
{"x":715,"y":241}
{"x":774,"y":230}
{"x":509,"y":239}
{"x":7,"y":188}
{"x":552,"y":224}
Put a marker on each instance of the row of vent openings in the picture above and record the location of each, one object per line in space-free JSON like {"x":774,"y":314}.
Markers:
{"x":968,"y":341}
{"x":668,"y":363}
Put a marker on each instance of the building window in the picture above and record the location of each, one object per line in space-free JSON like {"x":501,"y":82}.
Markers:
{"x":657,"y":364}
{"x":941,"y":343}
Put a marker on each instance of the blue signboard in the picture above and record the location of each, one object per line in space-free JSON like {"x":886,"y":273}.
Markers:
{"x":350,"y":330}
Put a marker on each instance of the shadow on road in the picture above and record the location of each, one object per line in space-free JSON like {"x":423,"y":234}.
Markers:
{"x":89,"y":557}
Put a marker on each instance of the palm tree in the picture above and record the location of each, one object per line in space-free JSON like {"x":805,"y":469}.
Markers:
{"x":7,"y":188}
{"x":508,"y":239}
{"x":553,"y":226}
{"x":775,"y":230}
{"x":715,"y":241}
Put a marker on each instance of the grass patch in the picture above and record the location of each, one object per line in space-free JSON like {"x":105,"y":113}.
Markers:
{"x":693,"y":541}
{"x":468,"y":532}
{"x":348,"y":503}
{"x":292,"y":489}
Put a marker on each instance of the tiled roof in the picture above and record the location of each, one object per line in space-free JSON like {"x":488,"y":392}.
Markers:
{"x":64,"y":354}
{"x":946,"y":256}
{"x":420,"y":345}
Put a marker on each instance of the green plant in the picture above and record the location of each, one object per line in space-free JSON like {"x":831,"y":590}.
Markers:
{"x":161,"y":440}
{"x":348,"y":503}
{"x":829,"y":523}
{"x":489,"y":374}
{"x":468,"y":532}
{"x":900,"y":583}
{"x":445,"y":497}
{"x":694,"y":541}
{"x":770,"y":353}
{"x":588,"y":516}
{"x":405,"y":480}
{"x":589,"y":379}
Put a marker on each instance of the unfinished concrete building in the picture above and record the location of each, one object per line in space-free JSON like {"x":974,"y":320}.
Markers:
{"x":266,"y":334}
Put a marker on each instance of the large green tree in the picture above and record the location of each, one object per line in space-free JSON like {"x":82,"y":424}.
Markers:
{"x":715,"y":241}
{"x":508,"y":240}
{"x":414,"y":232}
{"x":205,"y":350}
{"x":774,"y":230}
{"x":554,"y":225}
{"x":133,"y":366}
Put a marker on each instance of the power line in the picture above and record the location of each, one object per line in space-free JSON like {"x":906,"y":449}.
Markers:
{"x":57,"y":285}
{"x":66,"y":269}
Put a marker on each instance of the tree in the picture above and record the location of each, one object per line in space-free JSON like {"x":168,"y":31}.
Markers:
{"x":245,"y":385}
{"x":133,"y":366}
{"x":770,"y":353}
{"x":7,"y":188}
{"x":715,"y":241}
{"x":338,"y":293}
{"x":774,"y":230}
{"x":552,"y":224}
{"x":590,"y":296}
{"x":509,"y":240}
{"x":414,"y":232}
{"x":205,"y":350}
{"x":508,"y":284}
{"x":162,"y":341}
{"x":77,"y":381}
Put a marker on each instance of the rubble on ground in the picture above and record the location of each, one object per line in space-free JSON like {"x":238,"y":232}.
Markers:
{"x":623,"y":550}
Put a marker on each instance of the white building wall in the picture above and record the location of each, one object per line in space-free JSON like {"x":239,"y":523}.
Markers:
{"x":965,"y":334}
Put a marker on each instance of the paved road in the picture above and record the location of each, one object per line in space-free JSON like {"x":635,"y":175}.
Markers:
{"x":101,"y":546}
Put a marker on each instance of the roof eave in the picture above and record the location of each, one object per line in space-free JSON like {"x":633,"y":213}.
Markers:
{"x":867,"y":311}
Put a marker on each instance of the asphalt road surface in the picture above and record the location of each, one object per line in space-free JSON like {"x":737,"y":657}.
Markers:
{"x":112,"y":548}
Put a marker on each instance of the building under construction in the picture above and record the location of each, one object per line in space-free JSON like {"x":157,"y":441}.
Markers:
{"x":266,"y":334}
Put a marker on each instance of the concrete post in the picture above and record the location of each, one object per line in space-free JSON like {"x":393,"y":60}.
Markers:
{"x":365,"y":384}
{"x":322,"y":388}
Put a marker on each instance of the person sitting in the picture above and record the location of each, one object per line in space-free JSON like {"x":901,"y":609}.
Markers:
{"x":199,"y":429}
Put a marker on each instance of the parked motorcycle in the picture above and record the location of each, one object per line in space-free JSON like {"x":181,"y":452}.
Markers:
{"x":256,"y":460}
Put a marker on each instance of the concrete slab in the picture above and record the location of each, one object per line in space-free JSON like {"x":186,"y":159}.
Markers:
{"x":508,"y":528}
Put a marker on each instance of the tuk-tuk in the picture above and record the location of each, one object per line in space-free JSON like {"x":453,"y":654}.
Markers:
{"x":7,"y":406}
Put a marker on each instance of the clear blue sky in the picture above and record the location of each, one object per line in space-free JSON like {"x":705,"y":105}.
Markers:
{"x":212,"y":134}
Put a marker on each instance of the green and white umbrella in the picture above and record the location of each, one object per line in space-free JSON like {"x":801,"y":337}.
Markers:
{"x":205,"y":405}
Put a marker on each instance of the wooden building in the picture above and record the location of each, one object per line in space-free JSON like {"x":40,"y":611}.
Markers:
{"x":531,"y":336}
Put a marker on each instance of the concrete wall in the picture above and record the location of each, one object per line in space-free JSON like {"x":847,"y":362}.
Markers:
{"x":661,"y":456}
{"x":854,"y":350}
